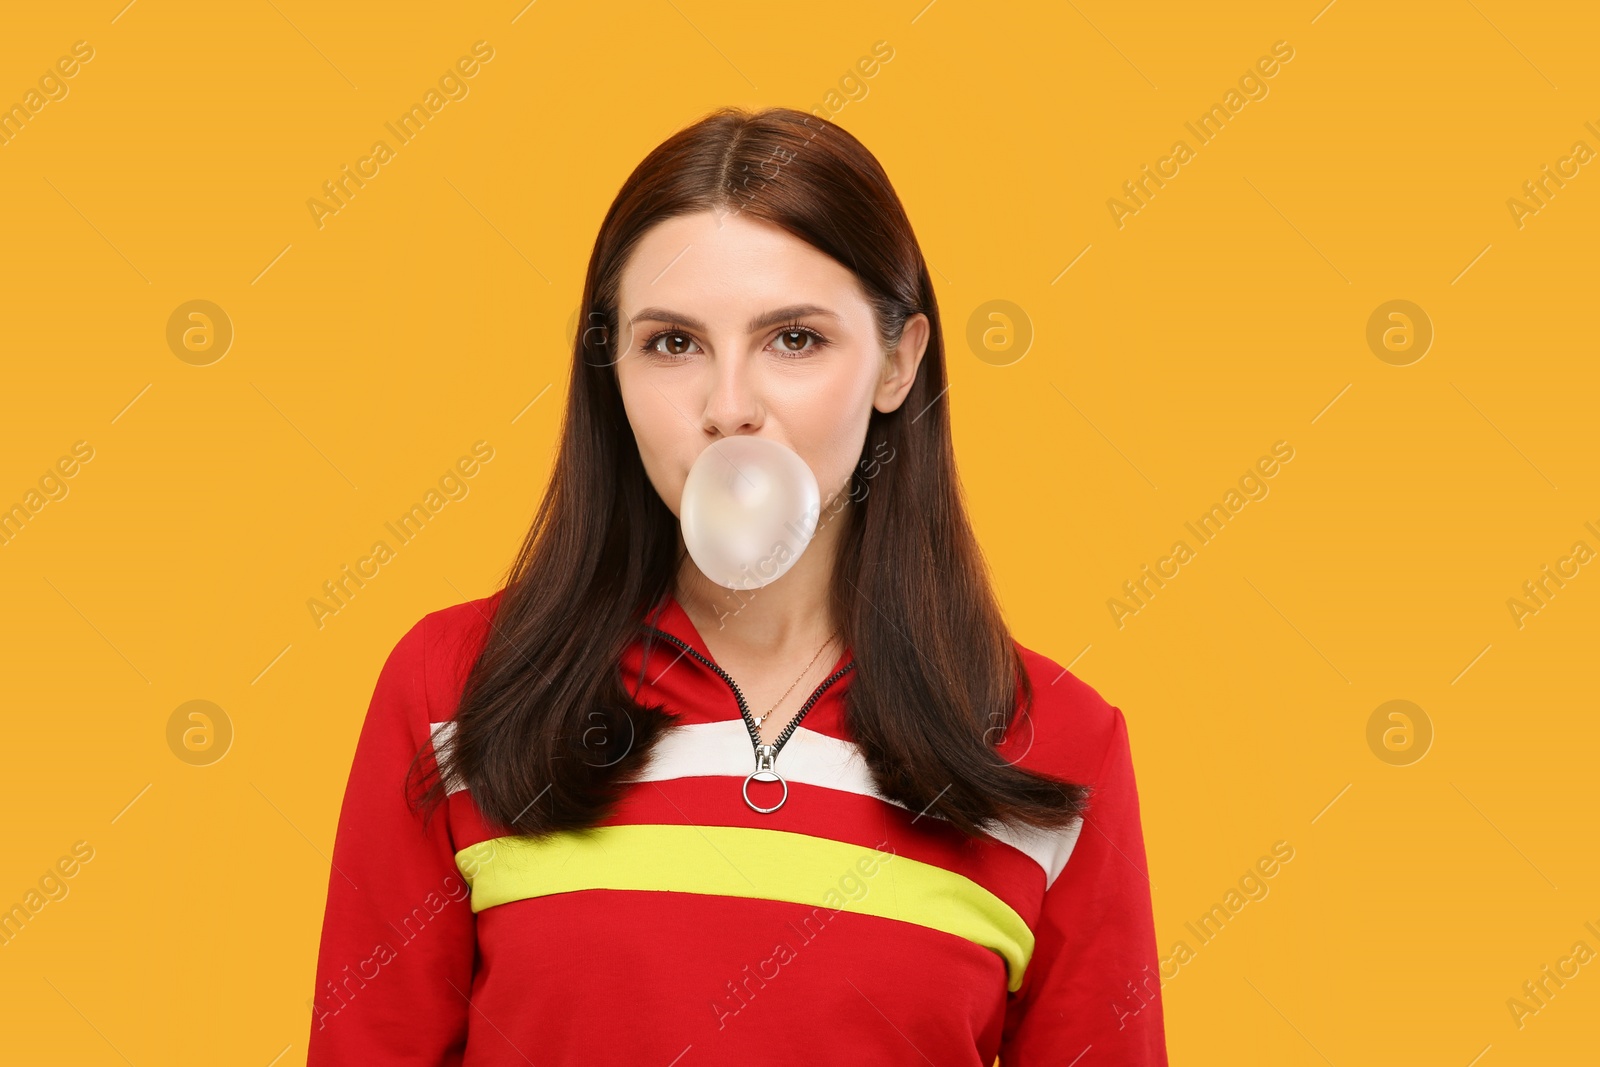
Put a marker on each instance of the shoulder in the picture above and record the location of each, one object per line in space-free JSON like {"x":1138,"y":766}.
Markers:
{"x":1069,"y":729}
{"x":439,"y":649}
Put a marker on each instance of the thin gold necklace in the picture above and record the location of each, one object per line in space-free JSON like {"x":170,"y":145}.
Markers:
{"x":786,"y":692}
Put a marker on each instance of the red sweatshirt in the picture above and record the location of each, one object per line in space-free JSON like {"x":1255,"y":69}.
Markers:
{"x":690,"y":929}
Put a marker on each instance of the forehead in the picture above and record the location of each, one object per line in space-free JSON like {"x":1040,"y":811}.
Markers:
{"x":705,"y":261}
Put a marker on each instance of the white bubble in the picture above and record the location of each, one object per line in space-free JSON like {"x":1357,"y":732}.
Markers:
{"x":749,"y":509}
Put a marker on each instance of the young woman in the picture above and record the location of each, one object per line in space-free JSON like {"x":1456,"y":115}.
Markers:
{"x":554,"y":847}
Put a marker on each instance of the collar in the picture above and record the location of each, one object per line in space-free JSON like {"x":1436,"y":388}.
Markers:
{"x":685,"y":682}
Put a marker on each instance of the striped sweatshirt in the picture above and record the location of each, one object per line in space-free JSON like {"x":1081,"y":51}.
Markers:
{"x":689,"y":928}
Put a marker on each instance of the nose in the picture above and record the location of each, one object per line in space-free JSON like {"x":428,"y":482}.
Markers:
{"x":733,"y":405}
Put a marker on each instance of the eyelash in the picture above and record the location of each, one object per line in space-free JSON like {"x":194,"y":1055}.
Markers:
{"x":818,"y":341}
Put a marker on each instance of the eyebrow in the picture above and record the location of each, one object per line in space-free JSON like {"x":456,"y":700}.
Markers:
{"x":760,"y":322}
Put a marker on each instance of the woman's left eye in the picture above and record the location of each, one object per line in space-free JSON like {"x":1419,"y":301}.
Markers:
{"x":797,"y":341}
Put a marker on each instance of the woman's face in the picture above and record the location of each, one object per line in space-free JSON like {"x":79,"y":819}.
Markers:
{"x":731,"y":325}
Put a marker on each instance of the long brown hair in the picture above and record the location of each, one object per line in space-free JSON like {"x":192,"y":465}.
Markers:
{"x":545,"y":729}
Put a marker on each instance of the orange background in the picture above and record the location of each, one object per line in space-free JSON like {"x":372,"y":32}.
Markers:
{"x":1163,"y":358}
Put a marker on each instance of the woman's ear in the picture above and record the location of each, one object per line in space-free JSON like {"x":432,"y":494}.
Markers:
{"x":900,"y":366}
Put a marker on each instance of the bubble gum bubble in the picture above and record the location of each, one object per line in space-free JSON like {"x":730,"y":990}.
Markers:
{"x":749,"y":509}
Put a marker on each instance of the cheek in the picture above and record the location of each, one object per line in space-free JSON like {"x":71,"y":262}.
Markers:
{"x":827,"y":429}
{"x":659,"y":434}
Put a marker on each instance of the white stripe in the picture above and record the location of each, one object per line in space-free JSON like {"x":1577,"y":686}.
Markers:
{"x":440,"y":731}
{"x":723,"y":749}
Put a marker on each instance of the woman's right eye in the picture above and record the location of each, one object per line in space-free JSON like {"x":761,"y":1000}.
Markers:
{"x":676,"y":343}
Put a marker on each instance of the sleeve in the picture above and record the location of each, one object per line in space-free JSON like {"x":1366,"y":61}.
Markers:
{"x":1092,"y":991}
{"x":394,"y":967}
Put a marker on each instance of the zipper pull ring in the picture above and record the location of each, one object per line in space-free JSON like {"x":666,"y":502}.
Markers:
{"x":764,"y":772}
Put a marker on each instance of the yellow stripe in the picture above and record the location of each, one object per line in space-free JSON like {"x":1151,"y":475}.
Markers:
{"x":740,"y":861}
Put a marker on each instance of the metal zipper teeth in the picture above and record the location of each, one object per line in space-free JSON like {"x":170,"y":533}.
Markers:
{"x":744,"y":709}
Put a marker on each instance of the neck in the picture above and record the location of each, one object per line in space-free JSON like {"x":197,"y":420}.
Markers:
{"x":783,"y":615}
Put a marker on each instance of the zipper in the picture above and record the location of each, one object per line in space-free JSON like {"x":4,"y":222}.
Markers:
{"x":766,"y":755}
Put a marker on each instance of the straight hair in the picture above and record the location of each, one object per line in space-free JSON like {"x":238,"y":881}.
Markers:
{"x":546,"y":733}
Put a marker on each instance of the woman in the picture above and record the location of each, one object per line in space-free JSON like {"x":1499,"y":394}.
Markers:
{"x":584,"y":868}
